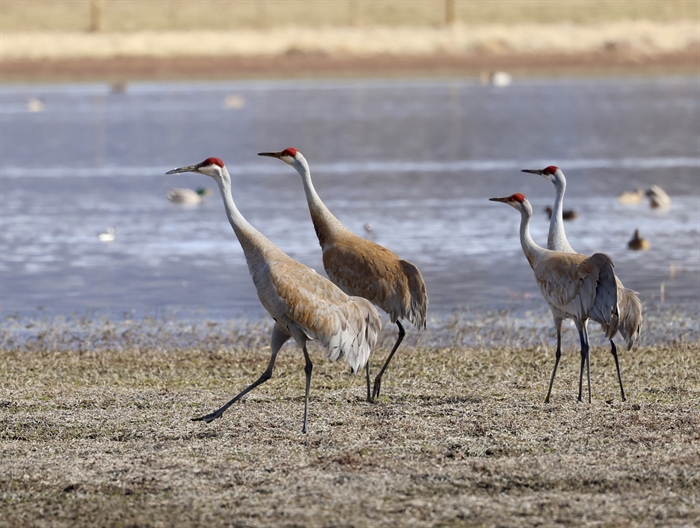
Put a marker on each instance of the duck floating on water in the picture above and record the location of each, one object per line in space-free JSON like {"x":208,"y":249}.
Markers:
{"x":631,"y":197}
{"x":187,"y":196}
{"x":658,"y":199}
{"x":638,"y":243}
{"x":36,"y":104}
{"x":567,"y":214}
{"x":107,"y":235}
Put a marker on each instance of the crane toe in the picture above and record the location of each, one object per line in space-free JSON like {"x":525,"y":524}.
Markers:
{"x":208,"y":418}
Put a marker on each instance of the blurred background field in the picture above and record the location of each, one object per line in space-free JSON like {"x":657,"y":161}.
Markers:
{"x":39,"y":29}
{"x":170,"y":15}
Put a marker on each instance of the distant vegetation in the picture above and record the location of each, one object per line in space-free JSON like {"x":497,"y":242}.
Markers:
{"x":127,"y":15}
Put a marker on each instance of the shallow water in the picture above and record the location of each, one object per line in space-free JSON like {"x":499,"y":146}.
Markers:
{"x":417,"y":160}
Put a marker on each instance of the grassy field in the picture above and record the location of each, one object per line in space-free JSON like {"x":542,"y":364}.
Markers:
{"x":102,"y":437}
{"x":129,"y":15}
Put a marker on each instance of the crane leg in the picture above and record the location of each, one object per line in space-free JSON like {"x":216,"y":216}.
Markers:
{"x":613,"y":349}
{"x":585,"y":360}
{"x":307,"y":369}
{"x":556,"y":362}
{"x":277,"y":339}
{"x":369,"y":387}
{"x":378,"y":379}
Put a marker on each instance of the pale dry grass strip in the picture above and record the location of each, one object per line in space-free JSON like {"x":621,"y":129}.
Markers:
{"x":629,"y":36}
{"x":171,"y":15}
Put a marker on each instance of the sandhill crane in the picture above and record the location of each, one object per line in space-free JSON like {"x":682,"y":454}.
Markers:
{"x":362,"y":267}
{"x":187,"y":196}
{"x":629,"y":305}
{"x":303,"y":304}
{"x":638,"y":243}
{"x":575,"y":286}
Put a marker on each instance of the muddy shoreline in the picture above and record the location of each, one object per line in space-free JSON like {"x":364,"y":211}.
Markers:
{"x":320,"y":65}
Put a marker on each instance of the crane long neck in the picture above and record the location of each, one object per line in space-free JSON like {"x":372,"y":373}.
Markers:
{"x":556,"y":239}
{"x":532,"y":251}
{"x":327,"y":226}
{"x":254,"y":244}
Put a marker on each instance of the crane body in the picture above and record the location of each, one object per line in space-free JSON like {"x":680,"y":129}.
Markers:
{"x":304,"y":305}
{"x":630,"y":307}
{"x":575,"y":286}
{"x":361,"y":267}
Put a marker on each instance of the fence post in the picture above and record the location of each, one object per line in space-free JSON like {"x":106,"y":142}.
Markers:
{"x":352,"y":12}
{"x":96,"y":15}
{"x":261,"y":14}
{"x":449,"y":12}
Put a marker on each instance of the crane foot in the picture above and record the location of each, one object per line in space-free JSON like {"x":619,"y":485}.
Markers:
{"x":209,"y":417}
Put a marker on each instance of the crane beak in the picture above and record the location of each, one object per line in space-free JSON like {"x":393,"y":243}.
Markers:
{"x":504,"y":199}
{"x":189,"y":168}
{"x":271,"y":154}
{"x":534,"y":171}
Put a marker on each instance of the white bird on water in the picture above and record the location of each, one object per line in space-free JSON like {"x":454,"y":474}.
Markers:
{"x":303,"y":304}
{"x":362,"y":267}
{"x":575,"y":286}
{"x":108,"y":235}
{"x":629,"y":305}
{"x":36,"y":104}
{"x":187,"y":196}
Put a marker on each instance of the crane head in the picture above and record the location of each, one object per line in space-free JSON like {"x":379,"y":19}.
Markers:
{"x":210,"y":167}
{"x":552,"y":173}
{"x":516,"y":200}
{"x":288,"y":155}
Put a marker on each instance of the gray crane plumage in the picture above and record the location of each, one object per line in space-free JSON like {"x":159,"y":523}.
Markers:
{"x":574,"y":285}
{"x":630,"y":307}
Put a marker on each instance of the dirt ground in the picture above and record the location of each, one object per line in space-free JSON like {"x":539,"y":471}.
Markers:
{"x":460,"y":436}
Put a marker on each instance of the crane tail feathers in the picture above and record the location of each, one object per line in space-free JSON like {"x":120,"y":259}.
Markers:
{"x":630,"y":316}
{"x":356,"y":338}
{"x":416,"y":305}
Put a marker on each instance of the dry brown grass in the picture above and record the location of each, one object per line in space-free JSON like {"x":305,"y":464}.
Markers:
{"x":101,"y":437}
{"x":51,"y":29}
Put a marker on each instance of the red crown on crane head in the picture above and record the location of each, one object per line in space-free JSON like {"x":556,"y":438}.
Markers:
{"x":212,"y":161}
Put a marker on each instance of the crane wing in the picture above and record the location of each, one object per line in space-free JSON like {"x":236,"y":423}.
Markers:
{"x":580,"y":286}
{"x":365,"y":269}
{"x":348,"y":327}
{"x":605,"y":309}
{"x":559,"y":281}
